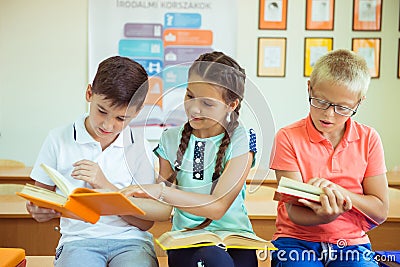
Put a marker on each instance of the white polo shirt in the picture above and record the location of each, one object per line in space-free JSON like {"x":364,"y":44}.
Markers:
{"x":128,"y":160}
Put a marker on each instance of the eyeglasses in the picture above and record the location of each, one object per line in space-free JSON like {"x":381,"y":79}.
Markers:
{"x":324,"y":105}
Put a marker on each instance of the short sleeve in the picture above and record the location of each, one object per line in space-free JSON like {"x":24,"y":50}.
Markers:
{"x":168,"y":145}
{"x":159,"y":151}
{"x":283,"y":156}
{"x":243,"y":141}
{"x":252,"y":141}
{"x":376,"y":158}
{"x":46,"y":155}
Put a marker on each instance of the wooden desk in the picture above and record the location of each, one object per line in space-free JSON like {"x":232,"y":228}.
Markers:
{"x":393,"y":179}
{"x":262,"y":177}
{"x":15,"y":175}
{"x":387,"y":235}
{"x":18,"y":229}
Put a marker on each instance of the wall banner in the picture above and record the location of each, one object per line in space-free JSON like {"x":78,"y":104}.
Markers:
{"x":165,"y":37}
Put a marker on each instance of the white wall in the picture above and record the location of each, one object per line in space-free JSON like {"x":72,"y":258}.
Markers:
{"x":43,"y":69}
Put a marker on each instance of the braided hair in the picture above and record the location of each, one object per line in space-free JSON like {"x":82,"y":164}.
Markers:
{"x":221,"y":70}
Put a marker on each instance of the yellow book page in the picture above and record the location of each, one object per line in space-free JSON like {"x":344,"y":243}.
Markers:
{"x":200,"y":238}
{"x":61,"y":182}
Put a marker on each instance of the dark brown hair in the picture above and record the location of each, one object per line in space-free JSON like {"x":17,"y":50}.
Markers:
{"x":121,"y":80}
{"x":223,"y":71}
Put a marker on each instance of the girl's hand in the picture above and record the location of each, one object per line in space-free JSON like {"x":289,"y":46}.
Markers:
{"x":91,"y":173}
{"x":333,"y":203}
{"x":41,"y":214}
{"x":143,"y":191}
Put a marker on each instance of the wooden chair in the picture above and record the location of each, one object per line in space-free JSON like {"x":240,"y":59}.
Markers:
{"x":10,"y":163}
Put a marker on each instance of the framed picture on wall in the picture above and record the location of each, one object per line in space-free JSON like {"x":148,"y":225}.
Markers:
{"x":271,"y":60}
{"x":272,"y":14}
{"x":367,"y":15}
{"x":320,"y":14}
{"x":314,"y":48}
{"x":370,"y":50}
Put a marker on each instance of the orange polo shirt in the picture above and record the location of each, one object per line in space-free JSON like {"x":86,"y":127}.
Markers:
{"x":359,"y":155}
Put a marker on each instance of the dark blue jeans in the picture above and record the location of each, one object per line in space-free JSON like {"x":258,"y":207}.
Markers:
{"x":298,"y":253}
{"x":212,"y":256}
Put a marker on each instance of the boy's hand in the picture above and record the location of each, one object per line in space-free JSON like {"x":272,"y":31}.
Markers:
{"x":322,"y":182}
{"x":333,"y":203}
{"x":91,"y":173}
{"x":41,"y":214}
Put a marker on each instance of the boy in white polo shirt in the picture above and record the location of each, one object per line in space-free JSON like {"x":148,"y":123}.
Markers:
{"x":99,"y":150}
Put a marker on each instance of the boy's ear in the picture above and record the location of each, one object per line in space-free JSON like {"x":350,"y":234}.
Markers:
{"x":89,"y":93}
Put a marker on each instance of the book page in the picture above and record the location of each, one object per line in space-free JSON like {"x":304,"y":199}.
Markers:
{"x":182,"y":239}
{"x":297,"y":194}
{"x":186,"y":234}
{"x":243,"y":240}
{"x":42,"y":193}
{"x":224,"y":235}
{"x":61,"y":182}
{"x":300,"y":186}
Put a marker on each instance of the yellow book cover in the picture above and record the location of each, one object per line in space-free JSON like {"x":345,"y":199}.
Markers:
{"x":81,"y":203}
{"x":202,"y":237}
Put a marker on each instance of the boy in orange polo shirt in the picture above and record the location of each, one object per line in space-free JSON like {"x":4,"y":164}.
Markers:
{"x":345,"y":158}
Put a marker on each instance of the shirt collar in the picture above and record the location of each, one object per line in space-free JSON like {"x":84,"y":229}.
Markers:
{"x":351,"y":133}
{"x":82,"y":136}
{"x":125,"y":138}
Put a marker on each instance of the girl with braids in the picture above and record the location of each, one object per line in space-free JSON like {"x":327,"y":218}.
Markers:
{"x":205,"y":163}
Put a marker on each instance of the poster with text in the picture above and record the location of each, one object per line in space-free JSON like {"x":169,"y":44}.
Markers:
{"x":165,"y":37}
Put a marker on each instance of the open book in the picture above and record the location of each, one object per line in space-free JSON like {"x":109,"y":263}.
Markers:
{"x":290,"y":191}
{"x":202,"y":237}
{"x":81,"y":203}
